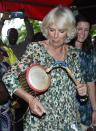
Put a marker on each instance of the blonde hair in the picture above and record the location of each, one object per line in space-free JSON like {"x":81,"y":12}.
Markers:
{"x":63,"y":18}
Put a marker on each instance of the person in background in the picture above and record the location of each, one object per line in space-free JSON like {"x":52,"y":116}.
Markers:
{"x":38,"y":37}
{"x":84,"y":45}
{"x":12,"y":36}
{"x":19,"y":49}
{"x":8,"y":56}
{"x":5,"y":100}
{"x":6,"y":116}
{"x":5,"y":104}
{"x":59,"y":102}
{"x":94,"y":54}
{"x":15,"y":51}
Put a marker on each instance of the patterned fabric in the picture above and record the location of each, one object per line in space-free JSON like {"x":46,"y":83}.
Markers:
{"x":5,"y":108}
{"x":94,"y":58}
{"x":7,"y":55}
{"x":87,"y":69}
{"x":59,"y":101}
{"x":6,"y":117}
{"x":86,"y":64}
{"x":86,"y":114}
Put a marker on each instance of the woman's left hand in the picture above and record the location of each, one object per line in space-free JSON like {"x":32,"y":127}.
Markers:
{"x":81,"y":88}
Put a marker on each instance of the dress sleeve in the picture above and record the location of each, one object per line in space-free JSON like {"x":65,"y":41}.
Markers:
{"x":11,"y":81}
{"x":76,"y":65}
{"x":10,"y":78}
{"x":90,"y":77}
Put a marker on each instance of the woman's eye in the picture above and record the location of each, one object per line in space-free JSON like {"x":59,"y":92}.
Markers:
{"x":61,"y":31}
{"x":87,"y":30}
{"x":51,"y":30}
{"x":78,"y":29}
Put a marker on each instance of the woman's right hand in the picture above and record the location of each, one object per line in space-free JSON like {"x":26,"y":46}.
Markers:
{"x":36,"y":107}
{"x":34,"y":104}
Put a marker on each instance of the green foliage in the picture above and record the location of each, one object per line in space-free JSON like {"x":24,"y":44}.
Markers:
{"x":22,"y":29}
{"x":36,"y":25}
{"x":93,"y":31}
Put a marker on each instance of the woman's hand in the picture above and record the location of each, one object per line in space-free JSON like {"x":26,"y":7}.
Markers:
{"x":34,"y":104}
{"x":81,"y":88}
{"x":36,"y":107}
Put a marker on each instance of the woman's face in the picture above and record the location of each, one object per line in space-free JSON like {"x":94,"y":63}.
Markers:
{"x":56,"y":36}
{"x":82,"y":31}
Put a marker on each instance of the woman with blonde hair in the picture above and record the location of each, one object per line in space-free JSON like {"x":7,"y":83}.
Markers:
{"x":59,"y":102}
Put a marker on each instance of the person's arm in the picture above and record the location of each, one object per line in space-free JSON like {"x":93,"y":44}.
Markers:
{"x":4,"y":17}
{"x":80,"y":84}
{"x":35,"y":106}
{"x":92,"y":97}
{"x":1,"y":24}
{"x":14,"y":86}
{"x":29,"y":29}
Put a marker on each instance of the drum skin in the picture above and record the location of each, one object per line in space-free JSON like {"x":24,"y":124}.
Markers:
{"x":37,"y":78}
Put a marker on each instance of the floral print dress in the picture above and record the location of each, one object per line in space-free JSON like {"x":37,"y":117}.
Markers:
{"x":59,"y":101}
{"x":87,"y":69}
{"x":94,"y":61}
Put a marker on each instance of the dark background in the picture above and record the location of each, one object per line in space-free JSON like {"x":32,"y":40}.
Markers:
{"x":87,"y":8}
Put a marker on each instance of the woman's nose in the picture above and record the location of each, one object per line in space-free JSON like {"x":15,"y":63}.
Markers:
{"x":83,"y":33}
{"x":56,"y":34}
